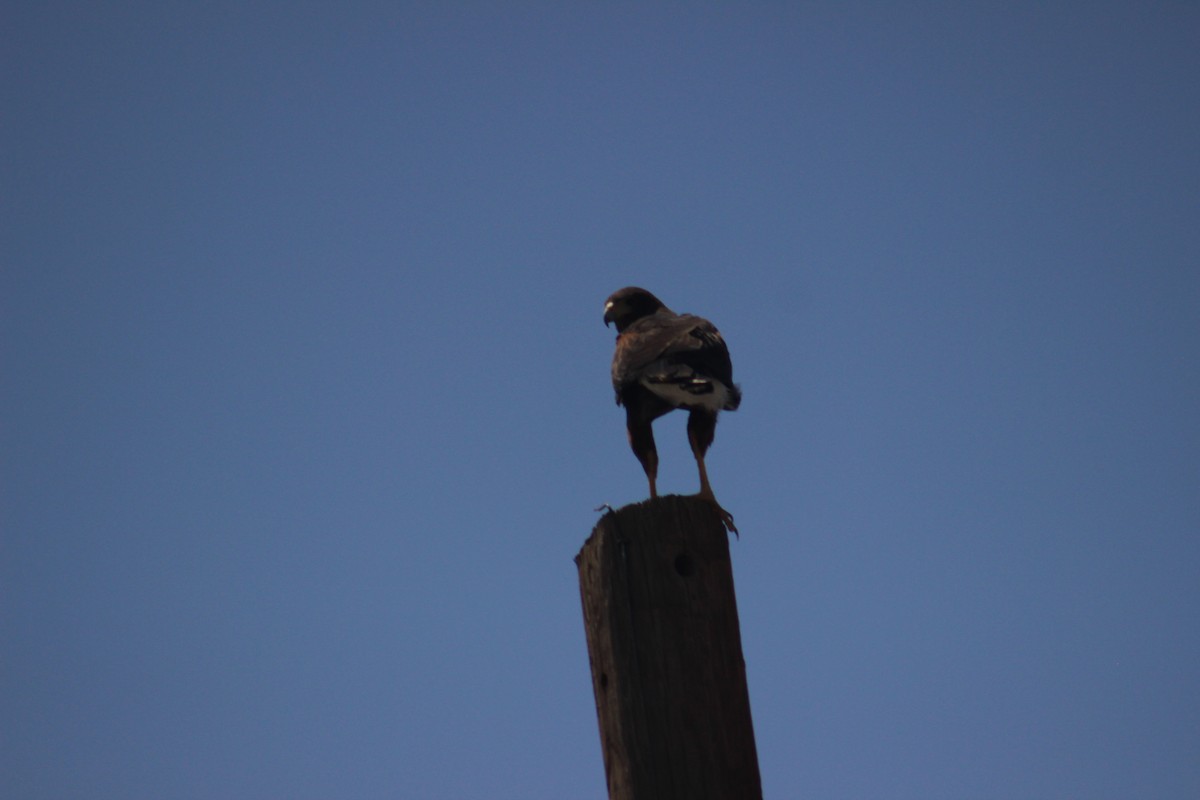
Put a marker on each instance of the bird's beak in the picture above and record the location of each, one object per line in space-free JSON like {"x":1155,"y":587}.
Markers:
{"x":608,"y":313}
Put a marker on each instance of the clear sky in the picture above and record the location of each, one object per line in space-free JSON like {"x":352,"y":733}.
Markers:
{"x":305,"y":403}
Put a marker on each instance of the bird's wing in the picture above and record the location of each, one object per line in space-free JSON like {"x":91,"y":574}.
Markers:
{"x":663,"y":342}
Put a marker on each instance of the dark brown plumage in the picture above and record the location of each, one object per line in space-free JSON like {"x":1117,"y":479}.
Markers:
{"x":666,"y":361}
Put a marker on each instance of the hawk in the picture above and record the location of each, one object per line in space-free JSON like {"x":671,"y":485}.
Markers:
{"x":666,"y":361}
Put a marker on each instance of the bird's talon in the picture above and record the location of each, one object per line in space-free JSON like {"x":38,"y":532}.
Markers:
{"x":725,"y":516}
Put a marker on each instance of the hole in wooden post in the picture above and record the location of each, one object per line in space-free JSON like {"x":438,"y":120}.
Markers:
{"x":684,"y":565}
{"x":603,"y":681}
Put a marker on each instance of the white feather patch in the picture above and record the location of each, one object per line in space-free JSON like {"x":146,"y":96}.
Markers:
{"x":688,"y":393}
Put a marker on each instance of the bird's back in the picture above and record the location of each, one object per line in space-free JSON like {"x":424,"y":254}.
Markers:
{"x":681,"y":358}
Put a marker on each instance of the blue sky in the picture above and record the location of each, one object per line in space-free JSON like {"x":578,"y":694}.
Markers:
{"x":306,"y":404}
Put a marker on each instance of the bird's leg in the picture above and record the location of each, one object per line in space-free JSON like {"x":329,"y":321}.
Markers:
{"x":706,"y":492}
{"x":641,"y":441}
{"x":649,"y":461}
{"x":700,"y":436}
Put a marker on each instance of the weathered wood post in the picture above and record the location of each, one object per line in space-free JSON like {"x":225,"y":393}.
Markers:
{"x":666,"y":654}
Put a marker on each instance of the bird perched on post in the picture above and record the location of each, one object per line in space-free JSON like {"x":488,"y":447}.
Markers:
{"x":666,"y":361}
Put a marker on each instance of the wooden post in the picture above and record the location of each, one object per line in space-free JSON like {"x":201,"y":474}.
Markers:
{"x":666,"y":654}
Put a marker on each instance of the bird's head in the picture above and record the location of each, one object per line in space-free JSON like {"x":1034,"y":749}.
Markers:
{"x":626,"y":306}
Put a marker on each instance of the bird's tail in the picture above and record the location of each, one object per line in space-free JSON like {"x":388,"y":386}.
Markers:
{"x":735,"y":398}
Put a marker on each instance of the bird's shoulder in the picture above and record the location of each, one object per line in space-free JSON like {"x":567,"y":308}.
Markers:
{"x":665,"y":331}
